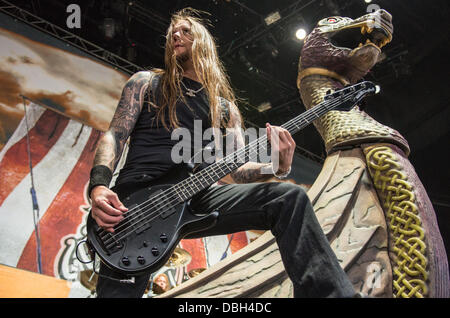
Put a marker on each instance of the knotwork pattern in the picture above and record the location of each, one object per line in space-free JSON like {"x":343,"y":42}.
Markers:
{"x":410,"y":264}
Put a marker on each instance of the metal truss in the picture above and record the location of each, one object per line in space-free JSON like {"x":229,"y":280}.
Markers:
{"x":137,"y":10}
{"x":258,"y":32}
{"x":116,"y":61}
{"x":261,"y":29}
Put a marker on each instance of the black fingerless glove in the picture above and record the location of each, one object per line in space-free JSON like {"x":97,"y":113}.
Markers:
{"x":100,"y":175}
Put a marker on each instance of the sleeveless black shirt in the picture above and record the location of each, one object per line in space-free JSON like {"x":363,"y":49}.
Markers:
{"x":151,"y":144}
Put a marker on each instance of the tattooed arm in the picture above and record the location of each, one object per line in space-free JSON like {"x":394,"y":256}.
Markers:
{"x":111,"y":144}
{"x":106,"y":207}
{"x":254,"y":171}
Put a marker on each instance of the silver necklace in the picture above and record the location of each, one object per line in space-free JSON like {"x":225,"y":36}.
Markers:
{"x":190,"y":92}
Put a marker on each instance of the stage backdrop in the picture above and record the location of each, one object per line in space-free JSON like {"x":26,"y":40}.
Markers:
{"x":74,"y":100}
{"x":76,"y":97}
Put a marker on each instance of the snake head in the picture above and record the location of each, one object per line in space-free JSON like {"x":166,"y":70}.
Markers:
{"x":348,"y":47}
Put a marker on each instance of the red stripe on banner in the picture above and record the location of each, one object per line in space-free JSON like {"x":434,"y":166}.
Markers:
{"x":64,"y":214}
{"x":196,"y":248}
{"x":15,"y":166}
{"x":239,"y":241}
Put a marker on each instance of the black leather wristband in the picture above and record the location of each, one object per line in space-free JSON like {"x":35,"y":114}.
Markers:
{"x":100,"y":175}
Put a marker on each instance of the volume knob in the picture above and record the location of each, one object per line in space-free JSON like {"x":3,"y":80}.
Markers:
{"x":155,"y":251}
{"x":141,"y":260}
{"x":126,"y":261}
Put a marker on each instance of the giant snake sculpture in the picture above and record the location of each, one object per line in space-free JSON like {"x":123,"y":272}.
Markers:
{"x":368,"y":198}
{"x":368,"y":166}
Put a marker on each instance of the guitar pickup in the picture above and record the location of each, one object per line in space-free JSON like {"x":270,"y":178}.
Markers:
{"x":139,"y":219}
{"x":168,"y":212}
{"x":164,"y":206}
{"x":108,"y":242}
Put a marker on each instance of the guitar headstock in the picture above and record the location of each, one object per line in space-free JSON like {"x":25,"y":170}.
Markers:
{"x":347,"y":97}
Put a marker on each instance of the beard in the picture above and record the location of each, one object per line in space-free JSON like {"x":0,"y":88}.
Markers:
{"x":183,"y":57}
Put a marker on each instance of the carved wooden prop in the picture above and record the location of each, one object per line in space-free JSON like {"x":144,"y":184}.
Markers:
{"x":368,"y":198}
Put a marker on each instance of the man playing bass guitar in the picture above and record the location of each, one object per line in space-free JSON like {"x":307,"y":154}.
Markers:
{"x":191,"y":87}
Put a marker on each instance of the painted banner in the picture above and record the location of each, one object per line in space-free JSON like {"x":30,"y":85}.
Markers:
{"x":61,"y":152}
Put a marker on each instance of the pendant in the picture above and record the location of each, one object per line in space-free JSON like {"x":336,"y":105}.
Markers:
{"x":190,"y":92}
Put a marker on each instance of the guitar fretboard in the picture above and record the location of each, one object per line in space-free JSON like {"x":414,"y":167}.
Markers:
{"x":216,"y":171}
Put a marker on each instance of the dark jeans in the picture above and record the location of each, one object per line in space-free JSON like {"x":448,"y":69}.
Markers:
{"x":283,"y":208}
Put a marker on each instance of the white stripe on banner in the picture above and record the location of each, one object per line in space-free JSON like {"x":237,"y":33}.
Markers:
{"x":215,"y":247}
{"x":34,"y":112}
{"x":16,"y":214}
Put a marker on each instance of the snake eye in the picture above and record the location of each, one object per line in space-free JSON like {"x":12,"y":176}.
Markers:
{"x":331,"y":21}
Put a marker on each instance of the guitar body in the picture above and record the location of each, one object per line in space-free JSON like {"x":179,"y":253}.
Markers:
{"x":145,"y":240}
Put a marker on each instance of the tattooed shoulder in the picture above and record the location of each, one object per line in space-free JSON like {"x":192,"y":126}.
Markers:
{"x":124,"y":119}
{"x":130,"y":103}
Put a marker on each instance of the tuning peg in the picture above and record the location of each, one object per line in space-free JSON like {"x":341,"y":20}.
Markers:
{"x":377,"y":89}
{"x":328,"y":94}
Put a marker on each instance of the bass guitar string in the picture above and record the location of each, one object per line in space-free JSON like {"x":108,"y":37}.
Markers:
{"x":218,"y":162}
{"x":286,"y":126}
{"x":290,"y":124}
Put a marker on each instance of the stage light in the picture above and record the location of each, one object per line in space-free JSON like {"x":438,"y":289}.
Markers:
{"x":300,"y":34}
{"x":109,"y":28}
{"x":243,"y":58}
{"x":367,"y":1}
{"x":272,"y":18}
{"x":264,"y":106}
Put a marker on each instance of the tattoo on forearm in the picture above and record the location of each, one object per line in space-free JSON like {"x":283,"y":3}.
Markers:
{"x":127,"y":112}
{"x":105,"y":153}
{"x":251,"y":172}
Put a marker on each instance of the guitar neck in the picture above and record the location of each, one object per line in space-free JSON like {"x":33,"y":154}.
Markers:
{"x":216,"y":171}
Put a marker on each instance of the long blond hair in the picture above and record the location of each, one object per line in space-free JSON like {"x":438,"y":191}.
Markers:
{"x":207,"y":65}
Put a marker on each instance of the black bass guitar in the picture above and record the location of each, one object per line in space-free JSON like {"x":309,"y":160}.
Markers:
{"x":159,"y":216}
